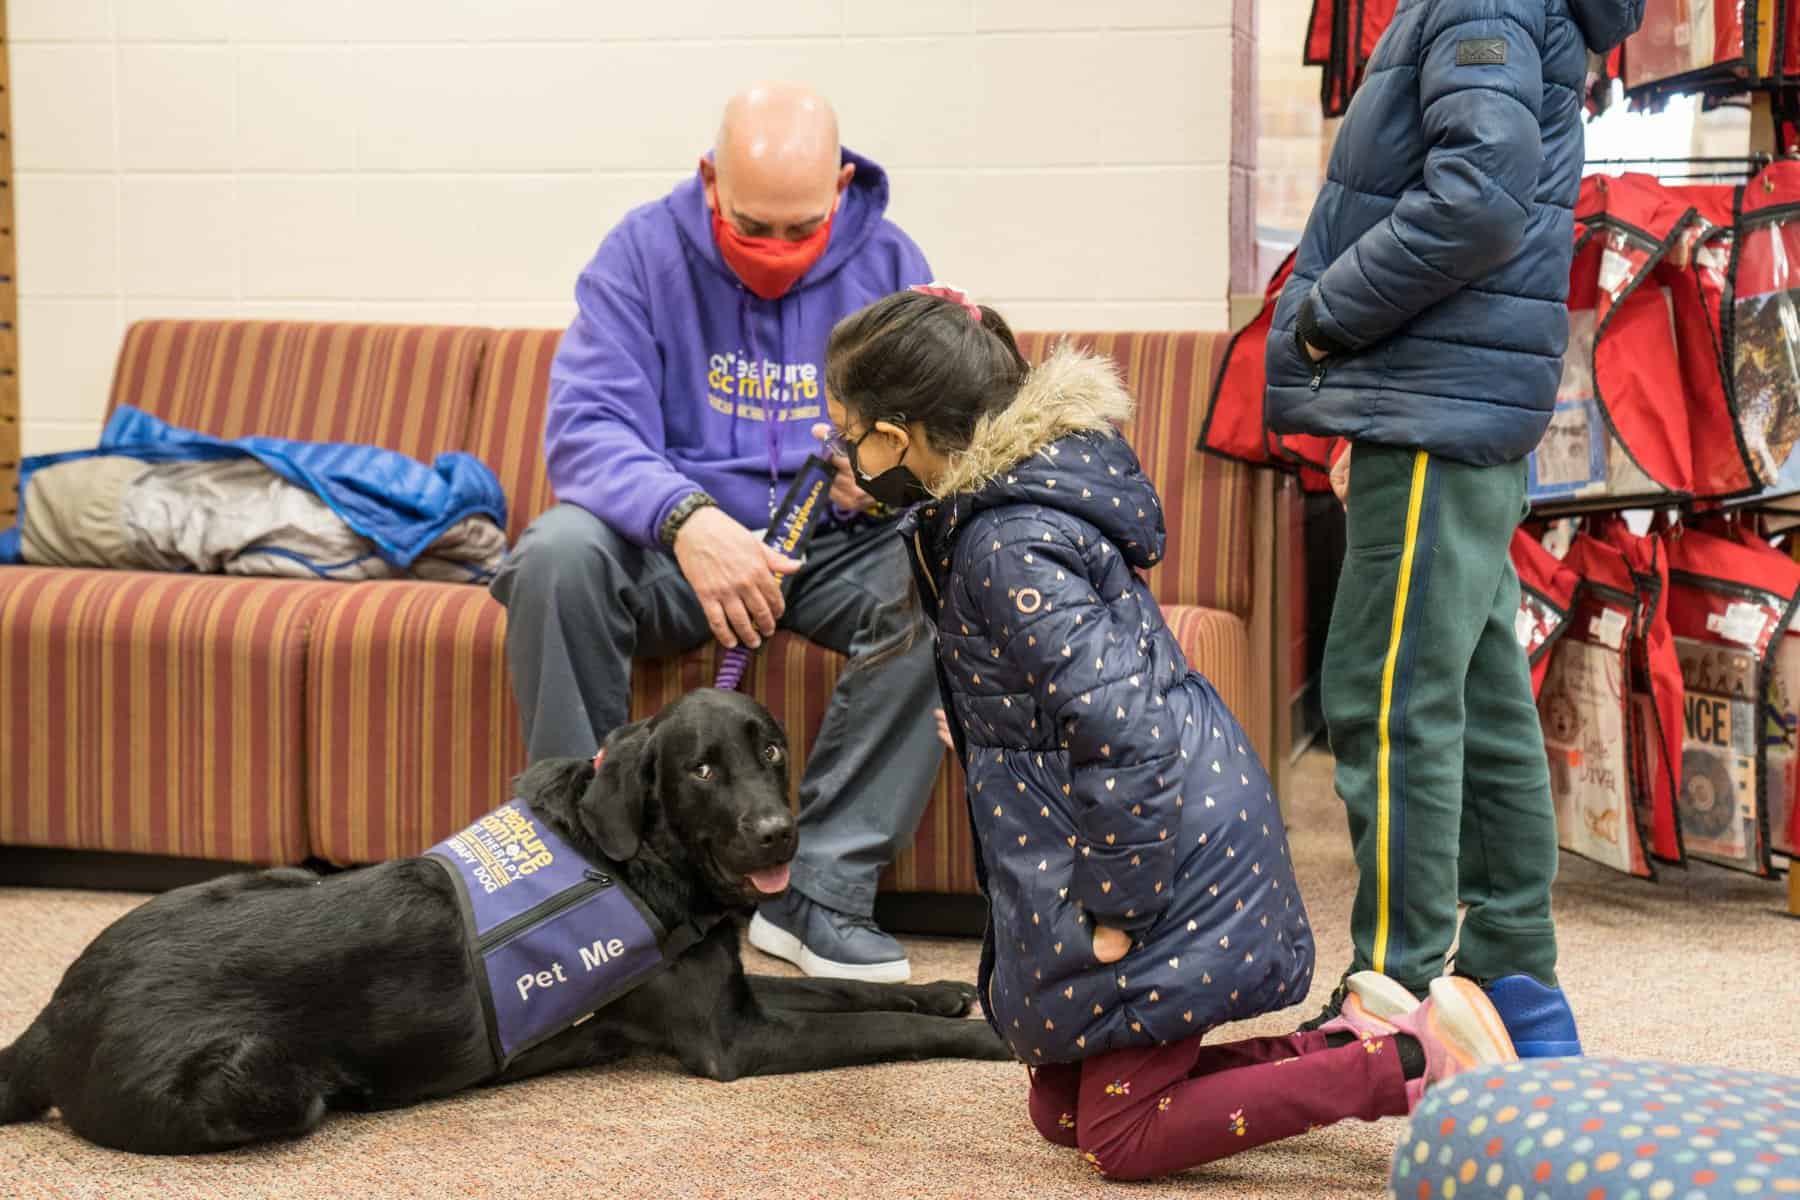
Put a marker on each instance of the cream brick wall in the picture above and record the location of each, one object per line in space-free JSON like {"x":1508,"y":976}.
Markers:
{"x":459,"y":160}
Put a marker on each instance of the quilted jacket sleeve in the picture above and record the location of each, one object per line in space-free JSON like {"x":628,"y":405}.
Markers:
{"x":1481,"y":89}
{"x":1083,"y":657}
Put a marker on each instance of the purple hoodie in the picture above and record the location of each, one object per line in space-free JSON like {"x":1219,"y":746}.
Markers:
{"x":653,"y":393}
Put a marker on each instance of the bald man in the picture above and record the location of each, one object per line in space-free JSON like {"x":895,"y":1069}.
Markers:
{"x":682,"y":399}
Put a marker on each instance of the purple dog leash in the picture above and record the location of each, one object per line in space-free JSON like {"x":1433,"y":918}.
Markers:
{"x":790,"y":530}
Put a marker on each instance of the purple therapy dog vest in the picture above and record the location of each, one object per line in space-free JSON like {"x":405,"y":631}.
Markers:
{"x":554,"y":936}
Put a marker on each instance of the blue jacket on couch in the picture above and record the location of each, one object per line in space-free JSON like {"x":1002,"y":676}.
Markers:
{"x":1107,"y":781}
{"x":1435,"y":267}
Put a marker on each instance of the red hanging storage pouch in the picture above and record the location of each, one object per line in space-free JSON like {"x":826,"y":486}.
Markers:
{"x":1585,"y":707}
{"x":1675,"y":42}
{"x":1730,"y":602}
{"x":1637,"y":360}
{"x":1618,"y":430}
{"x":1781,"y":742}
{"x":1696,"y":279}
{"x":1373,"y":19}
{"x":1781,"y":691}
{"x":1328,"y":46}
{"x":1234,"y":427}
{"x":1571,"y":459}
{"x":1547,"y":592}
{"x":1657,"y":691}
{"x":1728,"y":35}
{"x":1341,"y":37}
{"x":1693,"y":42}
{"x":1763,"y":341}
{"x":1318,"y":33}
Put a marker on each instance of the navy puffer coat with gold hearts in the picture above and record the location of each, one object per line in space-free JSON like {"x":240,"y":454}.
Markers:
{"x":1107,"y":782}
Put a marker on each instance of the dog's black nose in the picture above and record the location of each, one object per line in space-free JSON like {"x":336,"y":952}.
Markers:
{"x":774,"y":831}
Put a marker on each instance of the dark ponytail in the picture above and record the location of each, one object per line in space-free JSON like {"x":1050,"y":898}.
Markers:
{"x":920,"y":358}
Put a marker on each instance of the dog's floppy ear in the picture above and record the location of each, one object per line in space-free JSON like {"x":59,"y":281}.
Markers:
{"x":554,"y":787}
{"x":614,"y":810}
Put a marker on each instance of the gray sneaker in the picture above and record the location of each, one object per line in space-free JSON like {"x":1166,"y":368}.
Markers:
{"x":828,"y":944}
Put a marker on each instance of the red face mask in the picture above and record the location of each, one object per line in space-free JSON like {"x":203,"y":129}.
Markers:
{"x":768,"y":266}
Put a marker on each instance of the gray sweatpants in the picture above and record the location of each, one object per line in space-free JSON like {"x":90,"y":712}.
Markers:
{"x":582,"y":602}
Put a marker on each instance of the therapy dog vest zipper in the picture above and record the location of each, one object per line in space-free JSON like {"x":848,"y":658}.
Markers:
{"x":554,"y":936}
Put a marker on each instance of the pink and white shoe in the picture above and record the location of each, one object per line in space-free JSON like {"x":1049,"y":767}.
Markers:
{"x":1458,"y":1029}
{"x":1372,"y":1003}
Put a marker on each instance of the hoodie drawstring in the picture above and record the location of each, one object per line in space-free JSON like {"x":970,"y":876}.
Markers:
{"x":773,"y":404}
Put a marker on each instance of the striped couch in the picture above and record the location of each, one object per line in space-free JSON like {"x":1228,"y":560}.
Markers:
{"x":272,"y":721}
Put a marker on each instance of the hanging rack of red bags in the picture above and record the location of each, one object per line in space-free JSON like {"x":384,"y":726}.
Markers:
{"x":1671,"y":736}
{"x":1719,"y":50}
{"x":1671,"y":392}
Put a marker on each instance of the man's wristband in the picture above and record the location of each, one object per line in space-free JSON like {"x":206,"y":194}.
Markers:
{"x":678,"y":516}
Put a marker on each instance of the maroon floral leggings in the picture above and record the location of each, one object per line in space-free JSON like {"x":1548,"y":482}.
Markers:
{"x":1145,"y":1113}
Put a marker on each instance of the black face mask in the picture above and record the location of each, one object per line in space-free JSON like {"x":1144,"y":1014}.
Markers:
{"x":897,"y":487}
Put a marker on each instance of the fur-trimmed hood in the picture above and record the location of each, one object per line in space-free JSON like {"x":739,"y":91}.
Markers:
{"x":1058,"y":445}
{"x":1071,"y":391}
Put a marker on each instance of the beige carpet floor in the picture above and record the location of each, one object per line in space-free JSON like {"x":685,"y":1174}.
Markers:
{"x":1701,"y":968}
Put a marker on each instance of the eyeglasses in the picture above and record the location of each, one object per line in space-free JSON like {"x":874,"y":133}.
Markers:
{"x":842,"y":444}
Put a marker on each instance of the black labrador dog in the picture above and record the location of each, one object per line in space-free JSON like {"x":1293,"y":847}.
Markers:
{"x":242,"y":1009}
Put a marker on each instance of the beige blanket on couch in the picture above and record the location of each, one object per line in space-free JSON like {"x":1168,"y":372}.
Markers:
{"x":235,"y":517}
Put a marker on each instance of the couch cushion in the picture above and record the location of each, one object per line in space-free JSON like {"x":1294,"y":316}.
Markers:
{"x":508,"y":427}
{"x":1217,"y":645}
{"x":409,"y":388}
{"x":1206,"y":500}
{"x":411,"y":727}
{"x":154,"y":714}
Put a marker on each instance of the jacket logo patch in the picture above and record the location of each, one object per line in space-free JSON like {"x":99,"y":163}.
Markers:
{"x":1481,"y":52}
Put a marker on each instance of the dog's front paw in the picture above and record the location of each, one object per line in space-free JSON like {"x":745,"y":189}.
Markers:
{"x":947,"y":998}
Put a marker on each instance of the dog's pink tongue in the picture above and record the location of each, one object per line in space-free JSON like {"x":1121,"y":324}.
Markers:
{"x":770,"y":880}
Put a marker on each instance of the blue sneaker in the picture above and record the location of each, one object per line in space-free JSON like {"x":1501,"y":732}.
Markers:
{"x":1537,"y":1017}
{"x":827,"y":944}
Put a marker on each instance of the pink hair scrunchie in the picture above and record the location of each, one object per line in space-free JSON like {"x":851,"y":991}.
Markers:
{"x":952,"y":293}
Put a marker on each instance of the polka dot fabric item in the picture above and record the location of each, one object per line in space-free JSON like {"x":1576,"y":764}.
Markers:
{"x":1602,"y":1129}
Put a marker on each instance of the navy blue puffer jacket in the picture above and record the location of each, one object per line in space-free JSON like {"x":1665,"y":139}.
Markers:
{"x":1107,"y":781}
{"x":1435,"y":267}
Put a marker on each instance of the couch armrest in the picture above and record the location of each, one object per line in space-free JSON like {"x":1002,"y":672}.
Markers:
{"x":1217,"y":645}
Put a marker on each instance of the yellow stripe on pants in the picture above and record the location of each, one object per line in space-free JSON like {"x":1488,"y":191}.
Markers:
{"x":1384,"y":815}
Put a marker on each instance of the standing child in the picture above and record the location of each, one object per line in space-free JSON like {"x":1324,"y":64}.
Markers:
{"x":1133,"y":857}
{"x":1425,"y":322}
